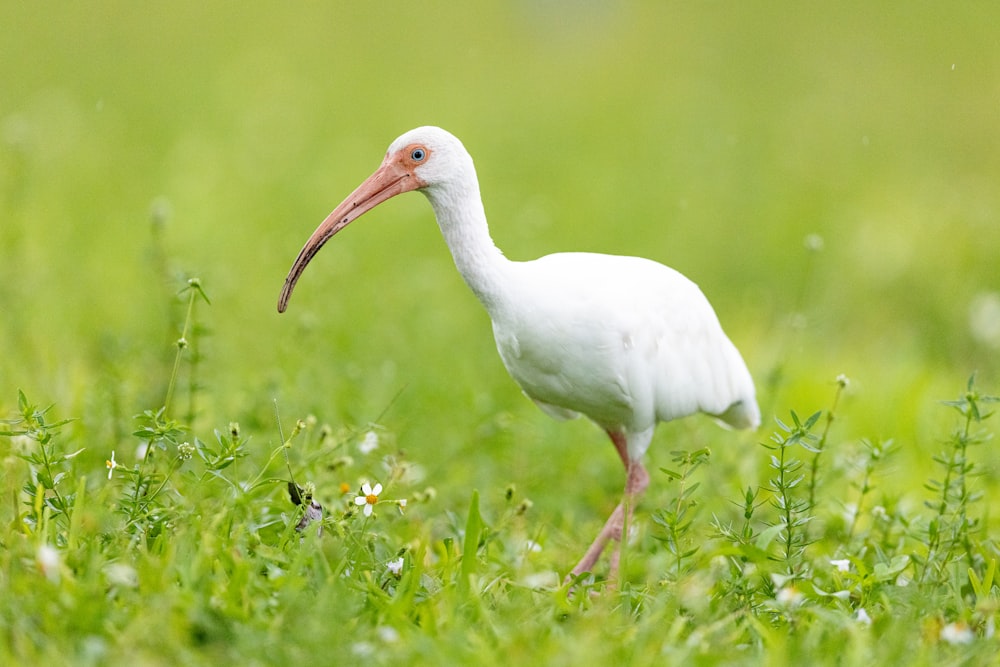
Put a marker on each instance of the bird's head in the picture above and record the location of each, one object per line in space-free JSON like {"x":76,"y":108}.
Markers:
{"x":434,"y":156}
{"x":427,"y":158}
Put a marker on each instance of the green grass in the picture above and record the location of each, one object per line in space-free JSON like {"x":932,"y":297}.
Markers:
{"x":826,"y":174}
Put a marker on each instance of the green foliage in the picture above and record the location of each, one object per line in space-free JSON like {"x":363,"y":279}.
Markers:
{"x":951,"y":531}
{"x":677,"y":516}
{"x":47,"y":466}
{"x":208,"y":533}
{"x":793,"y":511}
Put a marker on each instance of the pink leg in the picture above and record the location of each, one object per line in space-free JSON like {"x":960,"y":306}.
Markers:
{"x":636,"y":482}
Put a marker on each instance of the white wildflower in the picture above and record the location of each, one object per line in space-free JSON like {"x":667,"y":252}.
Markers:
{"x":387,"y":634}
{"x":788,"y":596}
{"x":368,"y":497}
{"x":395,"y":567}
{"x":842,"y":564}
{"x":363,"y":649}
{"x":957,"y":633}
{"x":121,"y":574}
{"x":49,"y":562}
{"x":369,"y":443}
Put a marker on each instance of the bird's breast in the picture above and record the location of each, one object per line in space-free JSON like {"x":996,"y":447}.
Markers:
{"x":568,"y":369}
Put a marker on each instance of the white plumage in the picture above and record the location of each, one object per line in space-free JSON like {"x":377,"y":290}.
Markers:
{"x":625,"y":341}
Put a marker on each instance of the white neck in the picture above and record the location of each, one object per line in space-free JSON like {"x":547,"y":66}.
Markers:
{"x":460,"y":215}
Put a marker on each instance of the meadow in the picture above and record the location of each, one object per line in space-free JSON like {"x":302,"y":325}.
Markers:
{"x":180,"y":463}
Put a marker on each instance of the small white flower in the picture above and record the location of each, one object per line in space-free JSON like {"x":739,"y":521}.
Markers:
{"x":842,"y":564}
{"x":363,"y":649}
{"x":368,"y":497}
{"x":862,"y":617}
{"x":788,"y":596}
{"x":112,"y":464}
{"x":843,"y":380}
{"x":957,"y":633}
{"x":369,"y":443}
{"x":387,"y":634}
{"x":121,"y":574}
{"x":395,"y":567}
{"x":532,"y":546}
{"x":49,"y":562}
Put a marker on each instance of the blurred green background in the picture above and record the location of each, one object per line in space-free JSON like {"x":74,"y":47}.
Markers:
{"x":829,"y":173}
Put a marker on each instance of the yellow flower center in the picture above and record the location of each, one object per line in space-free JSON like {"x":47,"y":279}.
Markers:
{"x":371,"y":499}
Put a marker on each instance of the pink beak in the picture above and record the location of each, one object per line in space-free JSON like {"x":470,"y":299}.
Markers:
{"x":390,"y":179}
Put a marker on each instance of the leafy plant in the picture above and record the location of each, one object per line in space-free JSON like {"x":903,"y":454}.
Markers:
{"x":47,"y":466}
{"x":676,"y":518}
{"x":951,"y":531}
{"x":794,"y":511}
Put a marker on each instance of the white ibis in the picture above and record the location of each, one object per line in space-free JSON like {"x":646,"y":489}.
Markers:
{"x":624,"y":341}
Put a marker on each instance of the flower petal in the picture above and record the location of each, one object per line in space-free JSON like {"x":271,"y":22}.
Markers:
{"x":366,"y":489}
{"x":377,"y":490}
{"x":360,"y":500}
{"x":395,"y":567}
{"x":368,"y":510}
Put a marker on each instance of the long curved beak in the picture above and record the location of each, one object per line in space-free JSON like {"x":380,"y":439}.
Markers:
{"x":389,"y":180}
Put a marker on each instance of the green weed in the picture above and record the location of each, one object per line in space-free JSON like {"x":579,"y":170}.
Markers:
{"x":235,"y":547}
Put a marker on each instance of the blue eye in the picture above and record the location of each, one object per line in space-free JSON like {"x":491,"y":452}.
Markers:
{"x":418,"y":155}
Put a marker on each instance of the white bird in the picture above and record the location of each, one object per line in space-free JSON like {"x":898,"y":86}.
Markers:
{"x":625,"y":341}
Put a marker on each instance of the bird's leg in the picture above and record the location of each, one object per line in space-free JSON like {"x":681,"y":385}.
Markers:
{"x":612,"y":528}
{"x":636,"y":482}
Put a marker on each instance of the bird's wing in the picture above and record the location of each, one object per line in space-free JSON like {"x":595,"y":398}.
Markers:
{"x":624,"y":341}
